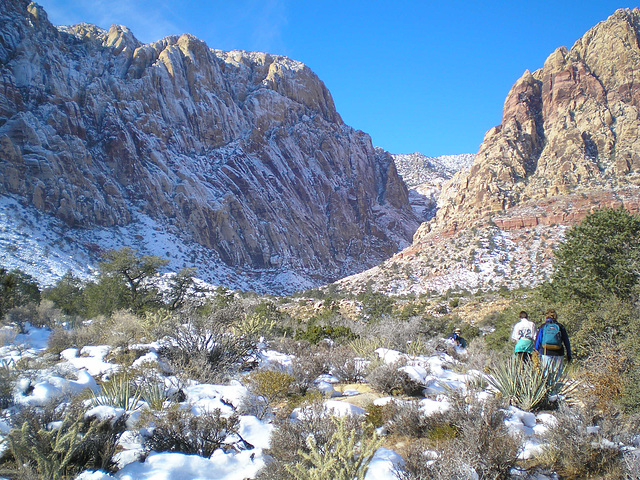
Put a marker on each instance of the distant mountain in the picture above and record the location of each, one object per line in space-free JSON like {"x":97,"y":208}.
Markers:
{"x":425,"y":176}
{"x":236,"y":163}
{"x":568,"y":144}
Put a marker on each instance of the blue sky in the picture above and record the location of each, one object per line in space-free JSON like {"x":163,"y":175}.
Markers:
{"x":416,"y":75}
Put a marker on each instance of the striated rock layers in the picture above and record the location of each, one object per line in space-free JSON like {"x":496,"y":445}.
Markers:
{"x":569,"y":130}
{"x":243,"y":152}
{"x":569,"y":143}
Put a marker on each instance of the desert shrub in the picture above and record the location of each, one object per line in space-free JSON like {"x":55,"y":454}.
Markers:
{"x":421,"y":462}
{"x":289,"y":439}
{"x":346,"y":366}
{"x":21,"y":315}
{"x":572,"y":451}
{"x":270,"y":387}
{"x":479,"y":357}
{"x":180,"y":430}
{"x":397,"y":333}
{"x":206,"y":351}
{"x":7,"y":335}
{"x":345,"y":456}
{"x":124,"y":328}
{"x":527,"y":385}
{"x":75,"y":443}
{"x":406,"y":419}
{"x":307,"y":365}
{"x":604,"y":371}
{"x":631,"y":466}
{"x":389,"y":379}
{"x":91,"y":332}
{"x":470,"y":440}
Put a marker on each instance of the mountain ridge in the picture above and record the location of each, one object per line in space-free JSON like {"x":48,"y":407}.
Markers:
{"x":242,"y":153}
{"x":567,"y":145}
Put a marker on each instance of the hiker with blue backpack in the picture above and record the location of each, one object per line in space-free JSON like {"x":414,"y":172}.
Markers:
{"x":524,"y":334}
{"x":551,"y":341}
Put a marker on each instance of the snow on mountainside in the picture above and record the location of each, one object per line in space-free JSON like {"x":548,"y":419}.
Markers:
{"x":426,"y":176}
{"x":45,"y":248}
{"x":240,"y":157}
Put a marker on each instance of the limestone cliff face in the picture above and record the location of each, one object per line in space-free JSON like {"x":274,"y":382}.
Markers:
{"x":570,"y":128}
{"x":243,"y":152}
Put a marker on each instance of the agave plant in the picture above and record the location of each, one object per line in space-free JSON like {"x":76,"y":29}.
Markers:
{"x":527,"y":385}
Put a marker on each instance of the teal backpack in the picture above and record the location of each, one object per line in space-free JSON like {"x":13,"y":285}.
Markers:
{"x":551,"y":336}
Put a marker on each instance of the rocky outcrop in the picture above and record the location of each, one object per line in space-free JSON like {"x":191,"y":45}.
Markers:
{"x":242,"y":152}
{"x":569,"y":143}
{"x":569,"y":128}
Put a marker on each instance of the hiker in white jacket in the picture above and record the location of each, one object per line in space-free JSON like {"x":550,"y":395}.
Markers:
{"x":524,"y":334}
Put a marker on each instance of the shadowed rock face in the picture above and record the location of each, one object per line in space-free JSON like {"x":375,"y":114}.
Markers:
{"x":243,"y":152}
{"x":570,"y":128}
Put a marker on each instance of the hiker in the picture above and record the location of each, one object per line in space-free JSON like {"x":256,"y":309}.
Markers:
{"x":524,"y":334}
{"x":551,"y":341}
{"x":456,"y":336}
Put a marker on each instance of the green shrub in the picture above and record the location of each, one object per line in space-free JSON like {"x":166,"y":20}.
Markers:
{"x":270,"y":386}
{"x":8,"y":375}
{"x":316,"y":333}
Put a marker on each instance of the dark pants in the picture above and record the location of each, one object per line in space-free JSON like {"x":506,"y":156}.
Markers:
{"x":524,"y":357}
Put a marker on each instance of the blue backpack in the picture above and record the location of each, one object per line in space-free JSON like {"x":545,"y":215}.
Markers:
{"x":551,"y":336}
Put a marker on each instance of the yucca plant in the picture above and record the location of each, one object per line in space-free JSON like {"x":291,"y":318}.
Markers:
{"x":119,"y":392}
{"x":527,"y":385}
{"x":155,"y":394}
{"x":365,"y":347}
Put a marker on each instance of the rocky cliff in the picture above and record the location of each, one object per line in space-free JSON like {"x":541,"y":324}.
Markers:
{"x":570,"y":128}
{"x":244,"y":153}
{"x":569,"y":143}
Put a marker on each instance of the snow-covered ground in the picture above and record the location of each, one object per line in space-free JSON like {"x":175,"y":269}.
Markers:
{"x":89,"y":365}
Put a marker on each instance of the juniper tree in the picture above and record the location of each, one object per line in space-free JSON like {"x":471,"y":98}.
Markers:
{"x":599,"y":257}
